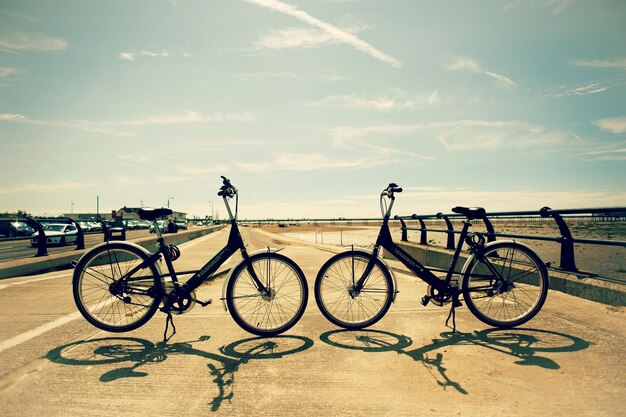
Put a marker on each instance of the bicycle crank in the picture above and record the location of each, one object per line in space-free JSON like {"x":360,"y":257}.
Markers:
{"x":437,"y":297}
{"x":181,"y":304}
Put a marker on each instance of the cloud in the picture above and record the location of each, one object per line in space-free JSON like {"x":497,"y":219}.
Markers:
{"x":557,"y":6}
{"x":113,"y":128}
{"x":269,"y":74}
{"x":6,"y":71}
{"x":579,"y":90}
{"x":204,"y":170}
{"x":296,"y":38}
{"x":596,"y":63}
{"x":482,"y":135}
{"x":87,"y":126}
{"x":302,"y":162}
{"x":189,"y":117}
{"x":134,"y":159}
{"x":618,"y":154}
{"x":327,"y":33}
{"x":45,"y":188}
{"x":133,"y":55}
{"x":614,"y":125}
{"x":455,"y":63}
{"x":504,"y":200}
{"x":477,"y":135}
{"x":31,"y":42}
{"x":395,"y":101}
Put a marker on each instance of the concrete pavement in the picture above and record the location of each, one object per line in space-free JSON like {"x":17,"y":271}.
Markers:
{"x":567,"y":361}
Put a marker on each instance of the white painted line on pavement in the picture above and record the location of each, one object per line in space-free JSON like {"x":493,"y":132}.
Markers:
{"x":31,"y":334}
{"x":30,"y":281}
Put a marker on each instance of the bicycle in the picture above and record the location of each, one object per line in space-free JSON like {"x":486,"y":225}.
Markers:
{"x":118,"y":286}
{"x":504,"y":283}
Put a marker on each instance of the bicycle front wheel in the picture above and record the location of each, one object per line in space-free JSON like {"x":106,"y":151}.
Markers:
{"x":116,"y":288}
{"x":272,"y":312}
{"x":335,"y":295}
{"x":506,"y":285}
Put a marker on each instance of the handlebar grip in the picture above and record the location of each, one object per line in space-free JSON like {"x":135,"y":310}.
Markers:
{"x":225,"y":188}
{"x":396,"y":189}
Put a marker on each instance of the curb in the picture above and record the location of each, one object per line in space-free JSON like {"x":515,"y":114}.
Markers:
{"x":580,"y":286}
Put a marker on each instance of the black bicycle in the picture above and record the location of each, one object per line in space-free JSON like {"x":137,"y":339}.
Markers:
{"x":504,"y":283}
{"x":118,"y":286}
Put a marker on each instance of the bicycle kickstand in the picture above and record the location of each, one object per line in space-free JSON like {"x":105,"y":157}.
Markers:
{"x":168,"y":320}
{"x":455,"y":303}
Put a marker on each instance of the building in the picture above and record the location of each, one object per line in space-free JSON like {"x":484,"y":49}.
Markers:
{"x":127,"y":213}
{"x":130,"y":213}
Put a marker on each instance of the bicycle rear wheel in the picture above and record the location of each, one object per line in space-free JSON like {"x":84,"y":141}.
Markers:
{"x":336,"y":299}
{"x":506,"y":286}
{"x":273,"y":313}
{"x":116,"y":288}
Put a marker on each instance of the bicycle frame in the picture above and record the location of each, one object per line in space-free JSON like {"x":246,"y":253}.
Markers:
{"x":235,"y":243}
{"x":385,"y":241}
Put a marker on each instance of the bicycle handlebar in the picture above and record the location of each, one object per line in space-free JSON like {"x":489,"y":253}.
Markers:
{"x":227,"y":189}
{"x":391,"y":189}
{"x":388,"y":192}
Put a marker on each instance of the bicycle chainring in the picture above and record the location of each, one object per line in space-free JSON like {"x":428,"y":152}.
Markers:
{"x":182,"y":304}
{"x":437,"y":297}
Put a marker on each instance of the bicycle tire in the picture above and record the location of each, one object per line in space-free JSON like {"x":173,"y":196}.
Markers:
{"x":267,"y":315}
{"x":514,"y":300}
{"x":333,"y":285}
{"x":96,"y":280}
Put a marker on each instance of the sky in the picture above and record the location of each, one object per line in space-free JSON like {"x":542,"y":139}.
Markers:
{"x":312,"y":107}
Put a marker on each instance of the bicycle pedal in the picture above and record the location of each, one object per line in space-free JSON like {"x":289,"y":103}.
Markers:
{"x":425,"y":300}
{"x":204,"y":303}
{"x":457,"y":303}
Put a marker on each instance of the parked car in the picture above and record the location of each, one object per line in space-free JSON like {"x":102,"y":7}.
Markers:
{"x":181,"y":225}
{"x":162,"y":226}
{"x":95,"y":226}
{"x":57,"y":234}
{"x":86,"y":226}
{"x":144,"y":224}
{"x":10,"y":228}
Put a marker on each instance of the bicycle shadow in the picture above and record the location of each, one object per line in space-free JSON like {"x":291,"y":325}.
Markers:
{"x":523,"y":344}
{"x":140,"y":352}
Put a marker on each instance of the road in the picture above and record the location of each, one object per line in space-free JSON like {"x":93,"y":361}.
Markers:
{"x":17,"y":249}
{"x":568,"y":361}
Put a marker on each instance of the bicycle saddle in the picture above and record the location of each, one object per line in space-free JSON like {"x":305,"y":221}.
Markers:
{"x":471,"y":213}
{"x":153,"y":214}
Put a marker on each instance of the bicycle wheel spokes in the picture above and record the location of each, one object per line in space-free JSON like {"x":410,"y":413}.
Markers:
{"x":275,"y":310}
{"x":341,"y":303}
{"x":507,"y":286}
{"x":113,"y":292}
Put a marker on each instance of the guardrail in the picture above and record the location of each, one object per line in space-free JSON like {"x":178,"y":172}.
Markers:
{"x":566,"y":240}
{"x":42,"y":244}
{"x":118,"y":233}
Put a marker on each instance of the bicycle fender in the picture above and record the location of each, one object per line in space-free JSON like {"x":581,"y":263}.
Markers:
{"x":230,"y":274}
{"x":488,"y":245}
{"x":393,"y":274}
{"x":124,"y":243}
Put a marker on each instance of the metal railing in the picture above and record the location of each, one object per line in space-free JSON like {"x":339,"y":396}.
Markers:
{"x":41,"y":241}
{"x":566,"y":240}
{"x":42,"y":244}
